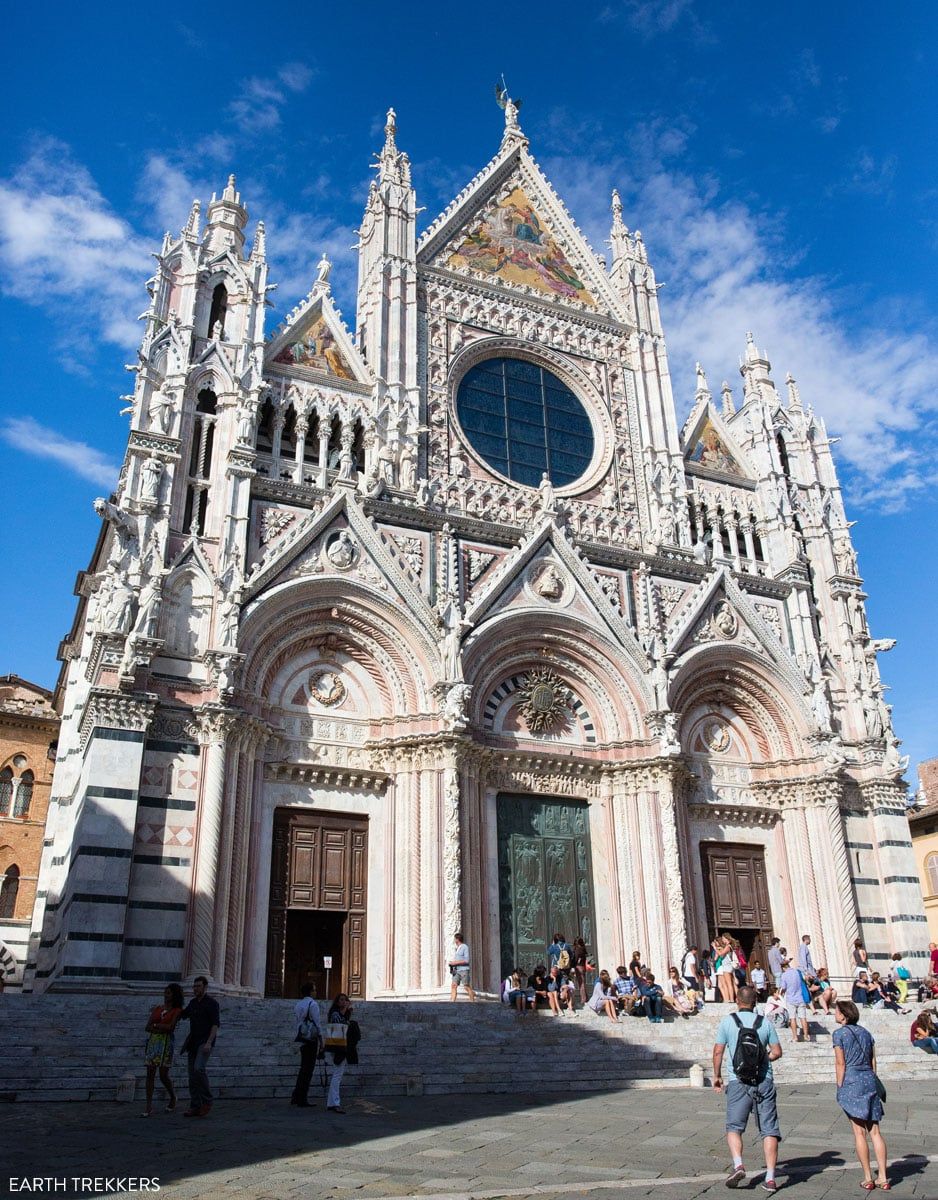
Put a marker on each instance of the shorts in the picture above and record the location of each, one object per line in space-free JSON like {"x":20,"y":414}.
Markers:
{"x":797,"y":1012}
{"x":741,"y":1099}
{"x":461,"y":976}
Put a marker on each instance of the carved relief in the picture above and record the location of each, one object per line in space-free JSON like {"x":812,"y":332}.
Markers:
{"x":544,"y":697}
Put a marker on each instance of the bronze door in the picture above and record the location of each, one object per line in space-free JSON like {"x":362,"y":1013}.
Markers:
{"x":737,"y":895}
{"x":318,"y":901}
{"x":545,"y":876}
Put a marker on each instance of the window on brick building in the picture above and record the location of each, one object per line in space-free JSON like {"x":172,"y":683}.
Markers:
{"x":6,"y":791}
{"x":24,"y":795}
{"x":9,"y":886}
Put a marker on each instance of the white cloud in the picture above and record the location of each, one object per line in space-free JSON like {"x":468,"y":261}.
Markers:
{"x":729,"y":268}
{"x":60,"y":238}
{"x":32,"y":438}
{"x":257,"y":108}
{"x":650,"y":17}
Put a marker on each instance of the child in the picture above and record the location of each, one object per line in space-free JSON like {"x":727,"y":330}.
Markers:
{"x":775,"y":1010}
{"x":757,"y":975}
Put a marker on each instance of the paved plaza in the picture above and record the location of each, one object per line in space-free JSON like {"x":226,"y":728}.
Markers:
{"x":664,"y":1143}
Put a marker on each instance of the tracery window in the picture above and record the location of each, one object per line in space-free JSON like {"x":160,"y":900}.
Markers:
{"x":524,"y":421}
{"x":200,"y":462}
{"x":6,"y":791}
{"x":24,"y":795}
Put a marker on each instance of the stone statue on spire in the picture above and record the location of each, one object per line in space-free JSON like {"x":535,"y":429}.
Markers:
{"x":511,"y":107}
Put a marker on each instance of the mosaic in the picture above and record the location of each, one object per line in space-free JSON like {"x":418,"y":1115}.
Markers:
{"x":317,"y":349}
{"x":711,"y":451}
{"x":509,"y":240}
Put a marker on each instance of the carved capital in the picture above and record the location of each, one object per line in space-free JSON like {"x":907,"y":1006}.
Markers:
{"x":110,"y":709}
{"x":216,"y":722}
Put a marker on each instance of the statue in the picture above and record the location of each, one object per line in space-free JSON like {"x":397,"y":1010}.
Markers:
{"x":451,"y":622}
{"x":125,"y":547}
{"x":346,"y":463}
{"x":549,"y":583}
{"x":229,"y":610}
{"x":724,"y":620}
{"x":342,"y":551}
{"x":323,"y":269}
{"x":160,"y":412}
{"x":545,"y":493}
{"x":408,"y":468}
{"x":148,"y":612}
{"x":454,"y":705}
{"x":150,"y":480}
{"x":246,"y":424}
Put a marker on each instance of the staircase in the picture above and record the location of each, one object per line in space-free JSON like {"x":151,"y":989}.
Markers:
{"x":84,"y":1047}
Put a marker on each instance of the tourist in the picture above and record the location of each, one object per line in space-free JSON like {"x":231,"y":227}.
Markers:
{"x":677,"y":996}
{"x":775,"y":1010}
{"x":342,"y":1056}
{"x":859,"y":1091}
{"x":885,"y":994}
{"x":652,"y":998}
{"x":554,"y":984}
{"x":706,"y":972}
{"x":928,"y":989}
{"x":725,"y":962}
{"x":537,"y":986}
{"x":581,"y":964}
{"x":805,"y":962}
{"x":204,"y":1019}
{"x":637,"y":968}
{"x":863,"y":993}
{"x":899,"y":974}
{"x":774,"y":957}
{"x":603,"y":999}
{"x":823,"y":994}
{"x":568,"y":990}
{"x":925,"y":1033}
{"x":689,"y":971}
{"x":861,"y":959}
{"x":158,"y":1055}
{"x":308,"y":1035}
{"x":740,"y":971}
{"x":514,"y":991}
{"x":459,"y":967}
{"x":792,"y":990}
{"x":745,"y":1063}
{"x":933,"y":957}
{"x":560,"y":953}
{"x":758,"y":977}
{"x":626,"y":990}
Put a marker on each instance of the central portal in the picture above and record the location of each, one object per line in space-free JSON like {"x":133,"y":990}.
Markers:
{"x":545,"y":875}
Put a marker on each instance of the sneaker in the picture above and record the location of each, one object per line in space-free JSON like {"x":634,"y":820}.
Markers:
{"x":736,"y":1176}
{"x":769,"y":1185}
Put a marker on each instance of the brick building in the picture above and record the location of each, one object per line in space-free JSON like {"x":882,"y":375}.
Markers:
{"x":28,"y":732}
{"x":923,"y":828}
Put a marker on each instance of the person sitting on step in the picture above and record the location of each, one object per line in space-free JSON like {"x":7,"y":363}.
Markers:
{"x":603,"y":999}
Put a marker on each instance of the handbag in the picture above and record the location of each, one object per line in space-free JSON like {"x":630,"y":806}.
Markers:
{"x":805,"y":994}
{"x":335,"y":1035}
{"x":308,"y":1030}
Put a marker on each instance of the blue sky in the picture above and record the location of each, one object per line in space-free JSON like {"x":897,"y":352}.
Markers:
{"x":778,"y":160}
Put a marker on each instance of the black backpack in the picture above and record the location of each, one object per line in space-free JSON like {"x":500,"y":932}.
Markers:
{"x":749,"y":1057}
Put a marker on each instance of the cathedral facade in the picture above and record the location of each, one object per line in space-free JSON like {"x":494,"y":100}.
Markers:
{"x":447,"y":624}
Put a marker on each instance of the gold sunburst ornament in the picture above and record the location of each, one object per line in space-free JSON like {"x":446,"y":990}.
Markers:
{"x":544,"y":696}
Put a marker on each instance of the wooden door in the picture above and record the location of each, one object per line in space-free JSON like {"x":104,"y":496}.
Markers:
{"x":319,"y":863}
{"x":737,"y":894}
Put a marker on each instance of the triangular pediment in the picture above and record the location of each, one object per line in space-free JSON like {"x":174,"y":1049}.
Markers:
{"x":340,"y":542}
{"x":510,"y":229}
{"x":545,"y":572}
{"x":718,"y":612}
{"x":710,"y":446}
{"x":315,"y":341}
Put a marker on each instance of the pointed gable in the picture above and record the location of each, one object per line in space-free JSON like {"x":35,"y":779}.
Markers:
{"x":316,"y":347}
{"x":710,"y":446}
{"x":313,"y":338}
{"x":510,"y":240}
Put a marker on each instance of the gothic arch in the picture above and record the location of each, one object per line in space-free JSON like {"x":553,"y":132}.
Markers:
{"x":771,"y":723}
{"x":595,"y":670}
{"x":370,"y":632}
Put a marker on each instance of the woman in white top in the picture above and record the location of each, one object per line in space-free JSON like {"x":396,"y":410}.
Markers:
{"x":515,"y":992}
{"x":678,"y":997}
{"x":775,"y":1010}
{"x":603,"y":997}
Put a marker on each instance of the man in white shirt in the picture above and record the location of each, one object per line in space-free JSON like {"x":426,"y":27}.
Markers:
{"x":459,"y":967}
{"x":775,"y":961}
{"x":689,"y":971}
{"x":308,"y":1034}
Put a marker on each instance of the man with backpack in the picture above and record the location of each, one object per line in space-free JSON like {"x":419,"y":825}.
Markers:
{"x":560,"y":954}
{"x":749,"y":1044}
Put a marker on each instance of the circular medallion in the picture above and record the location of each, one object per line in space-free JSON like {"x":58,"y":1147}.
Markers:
{"x":544,"y":698}
{"x":327,"y":688}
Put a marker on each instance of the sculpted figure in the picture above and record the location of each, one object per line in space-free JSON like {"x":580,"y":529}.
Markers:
{"x":160,"y":412}
{"x":150,"y":478}
{"x":545,"y":494}
{"x":341,"y":552}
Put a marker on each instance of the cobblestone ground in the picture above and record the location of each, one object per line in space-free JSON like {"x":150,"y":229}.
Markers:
{"x":662,"y":1143}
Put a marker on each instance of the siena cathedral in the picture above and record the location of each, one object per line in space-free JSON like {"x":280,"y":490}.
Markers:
{"x":447,"y":624}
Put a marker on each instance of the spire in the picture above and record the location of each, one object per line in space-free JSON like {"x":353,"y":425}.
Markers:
{"x":259,"y":248}
{"x":191,"y":228}
{"x":619,"y":238}
{"x":794,"y":396}
{"x":703,"y":389}
{"x":227,"y":218}
{"x":755,"y":369}
{"x":729,"y":408}
{"x":752,"y":350}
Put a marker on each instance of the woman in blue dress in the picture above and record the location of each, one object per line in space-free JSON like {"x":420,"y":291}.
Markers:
{"x":857,"y":1091}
